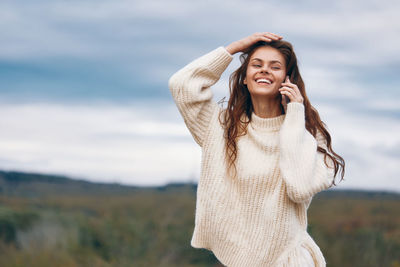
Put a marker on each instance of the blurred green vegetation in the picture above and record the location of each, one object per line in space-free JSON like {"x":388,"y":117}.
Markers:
{"x":129,"y":226}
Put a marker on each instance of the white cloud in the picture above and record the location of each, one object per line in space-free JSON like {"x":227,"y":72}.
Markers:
{"x":143,"y":145}
{"x":369,"y":145}
{"x":98,"y":142}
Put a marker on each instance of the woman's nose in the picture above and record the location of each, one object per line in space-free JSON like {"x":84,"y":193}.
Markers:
{"x":264,"y":69}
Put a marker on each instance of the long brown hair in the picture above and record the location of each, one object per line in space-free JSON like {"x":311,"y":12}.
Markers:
{"x":240,"y":103}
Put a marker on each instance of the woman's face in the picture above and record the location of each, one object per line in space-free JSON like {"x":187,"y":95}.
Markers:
{"x":265,"y":72}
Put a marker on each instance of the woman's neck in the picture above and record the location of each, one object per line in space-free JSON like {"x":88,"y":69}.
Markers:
{"x":267,"y":108}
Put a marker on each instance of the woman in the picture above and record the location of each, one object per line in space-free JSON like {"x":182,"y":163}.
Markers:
{"x":263,"y":157}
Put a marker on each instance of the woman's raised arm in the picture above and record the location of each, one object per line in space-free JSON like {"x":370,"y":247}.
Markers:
{"x":190,"y":88}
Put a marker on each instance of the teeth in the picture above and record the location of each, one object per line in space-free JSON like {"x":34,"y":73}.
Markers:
{"x":263,"y":81}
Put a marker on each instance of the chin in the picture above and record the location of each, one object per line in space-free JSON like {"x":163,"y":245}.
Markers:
{"x":264,"y":92}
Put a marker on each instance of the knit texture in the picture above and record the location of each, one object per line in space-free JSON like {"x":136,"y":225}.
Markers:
{"x":260,"y":217}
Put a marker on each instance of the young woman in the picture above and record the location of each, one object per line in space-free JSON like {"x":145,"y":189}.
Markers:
{"x":263,"y":157}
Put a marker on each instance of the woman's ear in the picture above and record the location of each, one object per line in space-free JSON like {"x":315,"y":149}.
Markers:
{"x":245,"y":81}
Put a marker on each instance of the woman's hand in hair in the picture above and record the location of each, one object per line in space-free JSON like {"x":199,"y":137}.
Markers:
{"x":291,"y":91}
{"x":242,"y":44}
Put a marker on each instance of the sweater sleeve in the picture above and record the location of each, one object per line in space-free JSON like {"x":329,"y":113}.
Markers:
{"x":190,"y":88}
{"x":302,"y":165}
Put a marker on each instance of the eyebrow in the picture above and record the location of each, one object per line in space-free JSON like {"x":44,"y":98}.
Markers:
{"x":272,"y":61}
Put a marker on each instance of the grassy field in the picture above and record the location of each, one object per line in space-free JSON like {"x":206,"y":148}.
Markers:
{"x":153,"y":227}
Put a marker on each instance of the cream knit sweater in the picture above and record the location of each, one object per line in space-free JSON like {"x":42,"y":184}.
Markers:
{"x":260,"y":218}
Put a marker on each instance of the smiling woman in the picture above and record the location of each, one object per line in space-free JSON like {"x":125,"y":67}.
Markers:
{"x":263,"y":157}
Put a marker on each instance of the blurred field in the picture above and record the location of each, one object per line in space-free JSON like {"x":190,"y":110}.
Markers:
{"x":153,"y":226}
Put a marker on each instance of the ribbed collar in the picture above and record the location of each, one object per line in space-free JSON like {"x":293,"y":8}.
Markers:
{"x":266,"y":124}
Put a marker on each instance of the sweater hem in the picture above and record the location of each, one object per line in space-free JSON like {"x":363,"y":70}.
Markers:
{"x":231,"y":255}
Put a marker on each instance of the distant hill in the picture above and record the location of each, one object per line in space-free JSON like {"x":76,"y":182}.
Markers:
{"x":354,"y":194}
{"x":34,"y":185}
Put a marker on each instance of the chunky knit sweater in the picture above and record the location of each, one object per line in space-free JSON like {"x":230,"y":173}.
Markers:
{"x":258,"y":218}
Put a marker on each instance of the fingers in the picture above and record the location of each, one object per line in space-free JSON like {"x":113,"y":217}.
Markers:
{"x":273,"y":35}
{"x":290,"y":89}
{"x":267,"y":36}
{"x":292,"y":92}
{"x":292,"y":98}
{"x":243,"y":44}
{"x":291,"y":85}
{"x":286,"y":90}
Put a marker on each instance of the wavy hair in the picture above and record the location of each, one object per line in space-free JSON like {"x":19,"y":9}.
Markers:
{"x":240,"y":104}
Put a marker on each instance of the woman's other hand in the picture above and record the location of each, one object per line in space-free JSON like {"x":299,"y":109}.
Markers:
{"x":290,"y":93}
{"x":291,"y":90}
{"x":242,"y":44}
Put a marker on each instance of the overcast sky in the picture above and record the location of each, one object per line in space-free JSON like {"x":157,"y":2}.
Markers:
{"x":84,"y":84}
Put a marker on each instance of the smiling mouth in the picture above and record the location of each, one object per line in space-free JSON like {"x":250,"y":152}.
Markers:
{"x":263,"y":81}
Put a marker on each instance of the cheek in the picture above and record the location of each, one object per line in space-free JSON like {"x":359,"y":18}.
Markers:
{"x":282,"y":76}
{"x":248,"y":76}
{"x":251,"y":73}
{"x":248,"y":73}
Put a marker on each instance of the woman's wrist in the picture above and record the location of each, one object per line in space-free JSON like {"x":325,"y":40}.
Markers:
{"x":231,"y":49}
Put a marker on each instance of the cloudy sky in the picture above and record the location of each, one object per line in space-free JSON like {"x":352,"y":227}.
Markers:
{"x":84,"y":84}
